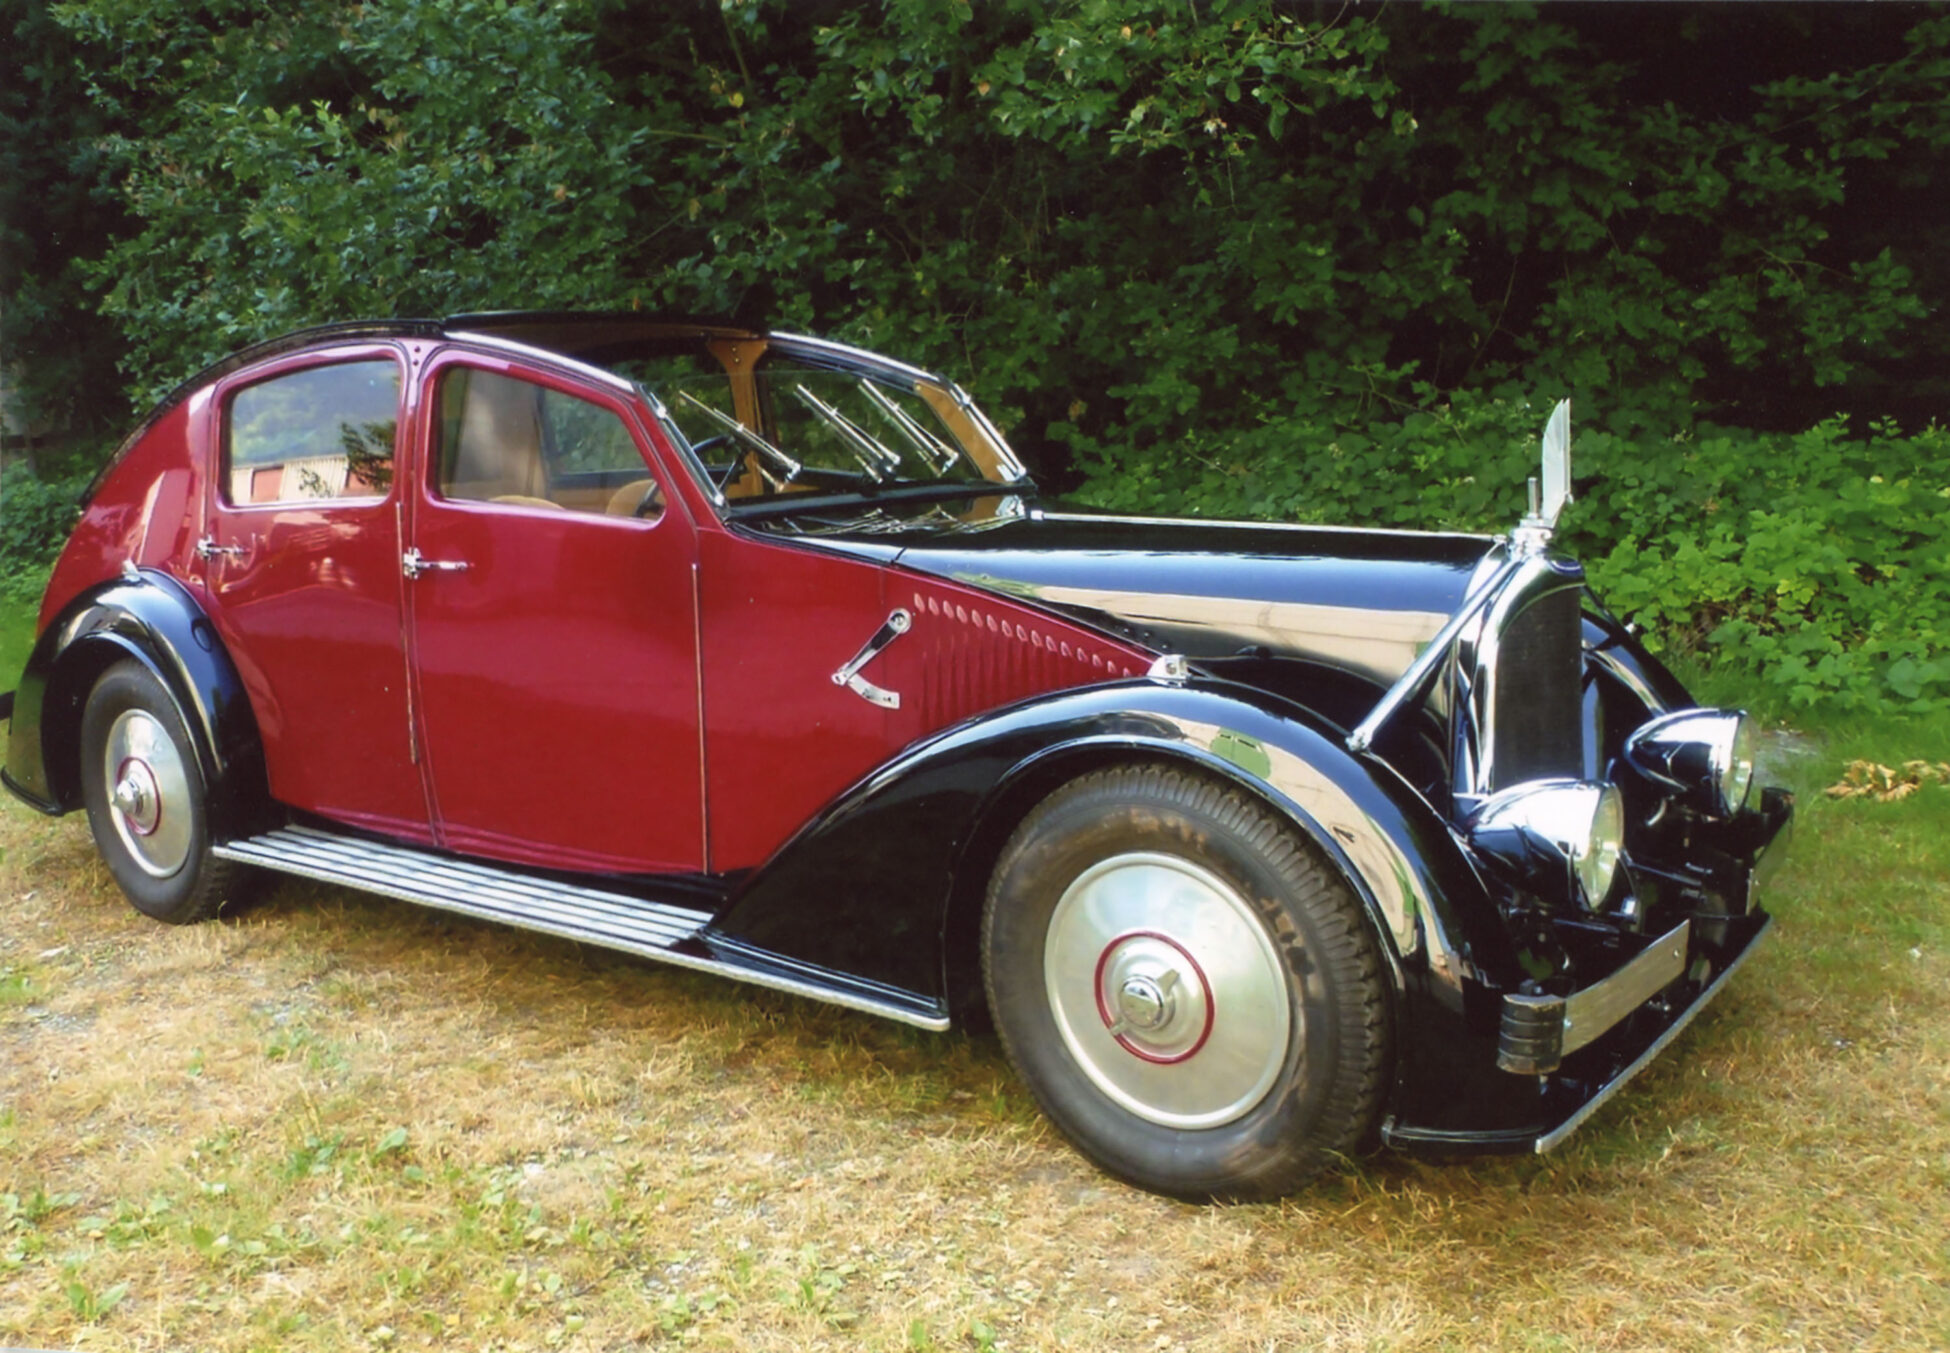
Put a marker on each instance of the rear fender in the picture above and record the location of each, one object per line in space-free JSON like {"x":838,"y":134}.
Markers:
{"x":150,"y":617}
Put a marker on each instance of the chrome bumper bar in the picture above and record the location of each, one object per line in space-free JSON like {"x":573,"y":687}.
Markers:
{"x":1557,"y":1134}
{"x":1539,"y":1032}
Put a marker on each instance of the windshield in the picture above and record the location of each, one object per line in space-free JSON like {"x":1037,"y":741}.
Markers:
{"x":779,"y":428}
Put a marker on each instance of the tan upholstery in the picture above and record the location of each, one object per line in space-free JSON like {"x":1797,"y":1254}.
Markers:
{"x":628,"y":500}
{"x":500,"y":440}
{"x":524,"y":500}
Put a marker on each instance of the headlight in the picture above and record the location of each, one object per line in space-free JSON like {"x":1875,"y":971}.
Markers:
{"x":1706,"y":756}
{"x":1563,"y":838}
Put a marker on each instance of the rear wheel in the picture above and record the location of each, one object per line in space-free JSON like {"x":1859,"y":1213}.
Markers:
{"x":146,"y":799}
{"x":1190,"y":990}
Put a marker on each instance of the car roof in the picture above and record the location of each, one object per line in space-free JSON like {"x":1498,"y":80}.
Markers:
{"x":591,"y":336}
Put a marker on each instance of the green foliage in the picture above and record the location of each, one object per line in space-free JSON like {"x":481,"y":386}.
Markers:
{"x":35,"y":517}
{"x":1814,"y":565}
{"x":1299,"y":260}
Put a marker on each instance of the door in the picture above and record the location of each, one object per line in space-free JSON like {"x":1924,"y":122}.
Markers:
{"x":553,"y":627}
{"x":301,"y":555}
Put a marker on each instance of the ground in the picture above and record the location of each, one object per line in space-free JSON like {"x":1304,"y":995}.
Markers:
{"x":331,"y":1121}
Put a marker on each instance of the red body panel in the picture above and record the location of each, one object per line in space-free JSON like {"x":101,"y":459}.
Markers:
{"x":556,"y":682}
{"x":970,"y":651}
{"x":783,"y":740}
{"x":310,"y":613}
{"x":148,"y":511}
{"x":557,"y":678}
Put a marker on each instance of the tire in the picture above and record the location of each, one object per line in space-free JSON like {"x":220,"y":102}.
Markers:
{"x":1190,"y":990}
{"x":146,"y":800}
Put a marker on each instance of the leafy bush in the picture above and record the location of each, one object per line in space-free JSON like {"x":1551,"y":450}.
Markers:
{"x":35,"y":517}
{"x":1814,"y":565}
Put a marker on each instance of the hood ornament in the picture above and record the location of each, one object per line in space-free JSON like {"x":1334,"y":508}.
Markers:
{"x":1532,"y":537}
{"x":1533,"y":533}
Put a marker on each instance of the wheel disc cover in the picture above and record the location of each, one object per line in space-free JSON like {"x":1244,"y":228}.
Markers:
{"x":148,"y":793}
{"x":1167,"y":990}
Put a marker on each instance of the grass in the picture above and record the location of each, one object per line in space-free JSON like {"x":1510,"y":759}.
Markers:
{"x":16,"y":638}
{"x":336,"y":1122}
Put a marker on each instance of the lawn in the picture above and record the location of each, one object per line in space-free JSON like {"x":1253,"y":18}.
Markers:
{"x":337,"y":1122}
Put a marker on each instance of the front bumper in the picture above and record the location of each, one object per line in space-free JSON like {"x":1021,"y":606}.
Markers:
{"x":1567,"y":1055}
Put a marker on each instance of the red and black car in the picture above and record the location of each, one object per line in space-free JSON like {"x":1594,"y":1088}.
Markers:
{"x":760,"y":654}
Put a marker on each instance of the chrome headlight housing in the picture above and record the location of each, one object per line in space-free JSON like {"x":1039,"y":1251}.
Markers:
{"x":1705,"y":756}
{"x":1562,"y":838}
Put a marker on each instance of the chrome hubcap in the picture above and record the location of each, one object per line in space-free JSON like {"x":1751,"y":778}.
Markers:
{"x":1167,"y":990}
{"x":149,"y":798}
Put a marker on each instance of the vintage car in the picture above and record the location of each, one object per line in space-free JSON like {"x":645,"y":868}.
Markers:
{"x":761,"y":655}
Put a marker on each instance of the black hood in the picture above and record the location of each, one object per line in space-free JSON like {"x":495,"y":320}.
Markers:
{"x":1359,"y":599}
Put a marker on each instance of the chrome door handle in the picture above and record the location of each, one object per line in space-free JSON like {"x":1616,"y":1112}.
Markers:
{"x":413,"y":564}
{"x":207,"y":548}
{"x":849,"y":676}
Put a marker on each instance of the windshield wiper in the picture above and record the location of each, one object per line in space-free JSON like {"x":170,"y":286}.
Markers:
{"x":789,"y":467}
{"x":936,"y":454}
{"x":874,"y":458}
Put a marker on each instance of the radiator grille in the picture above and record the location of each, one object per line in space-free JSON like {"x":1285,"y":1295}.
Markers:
{"x":1535,"y":713}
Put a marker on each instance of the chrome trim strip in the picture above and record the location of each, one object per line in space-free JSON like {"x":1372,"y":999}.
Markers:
{"x":1550,"y":1140}
{"x":1127,"y":519}
{"x":826,"y":347}
{"x":545,"y":357}
{"x":606,"y":920}
{"x":1431,"y":657}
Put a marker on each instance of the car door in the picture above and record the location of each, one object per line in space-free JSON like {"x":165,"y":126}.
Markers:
{"x":300,"y":554}
{"x":553,"y":626}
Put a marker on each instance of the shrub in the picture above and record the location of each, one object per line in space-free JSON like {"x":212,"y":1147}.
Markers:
{"x":1814,"y":565}
{"x":35,"y":517}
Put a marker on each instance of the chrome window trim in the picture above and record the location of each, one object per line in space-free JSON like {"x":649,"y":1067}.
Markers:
{"x":544,"y":357}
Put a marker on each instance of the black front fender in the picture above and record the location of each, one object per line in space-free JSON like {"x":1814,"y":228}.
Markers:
{"x":152,"y":618}
{"x":887,"y":883}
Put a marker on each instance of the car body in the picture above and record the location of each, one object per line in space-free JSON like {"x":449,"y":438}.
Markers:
{"x":760,"y":654}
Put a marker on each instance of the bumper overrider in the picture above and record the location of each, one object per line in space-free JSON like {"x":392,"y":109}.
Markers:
{"x":1579,"y":1049}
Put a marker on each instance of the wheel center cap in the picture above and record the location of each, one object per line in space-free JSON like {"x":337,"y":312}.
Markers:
{"x":1145,"y":1002}
{"x":136,"y":799}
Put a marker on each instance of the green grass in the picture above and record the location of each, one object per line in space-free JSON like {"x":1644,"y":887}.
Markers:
{"x":16,"y":638}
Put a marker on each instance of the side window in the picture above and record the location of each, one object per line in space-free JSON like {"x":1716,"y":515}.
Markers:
{"x":507,"y":440}
{"x":323,"y":432}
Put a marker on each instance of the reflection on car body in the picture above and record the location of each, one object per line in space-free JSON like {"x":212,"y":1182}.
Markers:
{"x":762,"y":655}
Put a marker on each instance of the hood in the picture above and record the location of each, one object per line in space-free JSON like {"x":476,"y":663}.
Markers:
{"x":1365,"y":600}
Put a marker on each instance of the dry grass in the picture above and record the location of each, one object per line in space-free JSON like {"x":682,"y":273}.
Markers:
{"x":336,"y":1122}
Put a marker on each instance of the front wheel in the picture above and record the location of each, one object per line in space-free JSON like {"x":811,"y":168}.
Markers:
{"x":146,"y":800}
{"x":1190,"y":990}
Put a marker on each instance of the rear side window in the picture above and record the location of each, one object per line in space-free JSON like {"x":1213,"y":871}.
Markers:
{"x":323,"y":432}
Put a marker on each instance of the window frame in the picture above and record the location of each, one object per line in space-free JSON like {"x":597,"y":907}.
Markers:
{"x":223,"y":405}
{"x":440,"y":365}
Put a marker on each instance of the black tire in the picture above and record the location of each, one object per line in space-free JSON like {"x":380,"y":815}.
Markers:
{"x":1241,"y":1085}
{"x":157,"y":844}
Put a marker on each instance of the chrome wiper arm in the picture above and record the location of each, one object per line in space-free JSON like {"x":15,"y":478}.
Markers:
{"x":786,"y":465}
{"x":874,"y":458}
{"x":935,"y":453}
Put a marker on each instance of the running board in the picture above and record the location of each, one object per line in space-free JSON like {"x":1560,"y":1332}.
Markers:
{"x":571,"y":911}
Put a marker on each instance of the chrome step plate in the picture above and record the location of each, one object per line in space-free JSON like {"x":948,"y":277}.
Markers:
{"x":571,"y":911}
{"x":609,"y":919}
